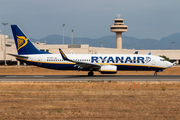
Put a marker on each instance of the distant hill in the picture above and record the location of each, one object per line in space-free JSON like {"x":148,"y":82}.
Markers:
{"x":110,"y":41}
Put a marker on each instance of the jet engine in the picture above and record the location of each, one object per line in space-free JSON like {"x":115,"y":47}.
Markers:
{"x":108,"y":69}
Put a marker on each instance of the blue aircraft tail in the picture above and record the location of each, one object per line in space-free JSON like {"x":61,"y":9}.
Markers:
{"x":23,"y":44}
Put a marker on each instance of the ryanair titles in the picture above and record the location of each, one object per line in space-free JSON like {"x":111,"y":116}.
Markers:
{"x":110,"y":59}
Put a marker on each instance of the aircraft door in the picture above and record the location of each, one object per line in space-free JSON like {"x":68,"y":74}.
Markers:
{"x":39,"y":60}
{"x":153,"y":61}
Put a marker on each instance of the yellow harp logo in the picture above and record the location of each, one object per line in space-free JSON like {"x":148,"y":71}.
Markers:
{"x":21,"y":41}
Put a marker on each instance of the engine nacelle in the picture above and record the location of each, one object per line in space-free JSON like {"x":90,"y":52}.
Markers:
{"x":108,"y":69}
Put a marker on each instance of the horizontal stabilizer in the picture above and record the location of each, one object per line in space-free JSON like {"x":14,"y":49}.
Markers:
{"x":18,"y":56}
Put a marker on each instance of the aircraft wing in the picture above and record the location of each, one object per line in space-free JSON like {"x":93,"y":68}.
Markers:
{"x":87,"y":65}
{"x":18,"y":56}
{"x":80,"y":64}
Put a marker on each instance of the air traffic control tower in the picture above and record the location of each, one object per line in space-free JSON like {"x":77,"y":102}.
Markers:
{"x":118,"y":27}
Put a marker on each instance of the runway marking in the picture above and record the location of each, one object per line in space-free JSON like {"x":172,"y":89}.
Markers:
{"x":38,"y":76}
{"x":88,"y":80}
{"x":10,"y":76}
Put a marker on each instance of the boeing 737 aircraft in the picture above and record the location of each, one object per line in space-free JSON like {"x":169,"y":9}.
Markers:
{"x":104,"y":63}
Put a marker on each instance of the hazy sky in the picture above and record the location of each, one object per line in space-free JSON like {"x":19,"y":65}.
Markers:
{"x":91,"y":18}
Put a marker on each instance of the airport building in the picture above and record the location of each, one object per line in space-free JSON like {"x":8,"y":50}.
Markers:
{"x":118,"y":28}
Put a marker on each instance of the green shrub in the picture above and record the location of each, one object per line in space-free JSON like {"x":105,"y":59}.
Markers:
{"x":163,"y":88}
{"x":163,"y":56}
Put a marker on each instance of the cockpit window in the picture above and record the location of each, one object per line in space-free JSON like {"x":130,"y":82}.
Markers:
{"x":162,"y":60}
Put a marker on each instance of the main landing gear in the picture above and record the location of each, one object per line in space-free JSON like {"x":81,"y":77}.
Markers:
{"x":90,"y":73}
{"x":155,"y":74}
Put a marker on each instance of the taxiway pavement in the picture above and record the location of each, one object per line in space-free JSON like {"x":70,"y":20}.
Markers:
{"x":56,"y":78}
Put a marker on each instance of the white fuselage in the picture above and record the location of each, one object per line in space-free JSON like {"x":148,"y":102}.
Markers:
{"x":122,"y":61}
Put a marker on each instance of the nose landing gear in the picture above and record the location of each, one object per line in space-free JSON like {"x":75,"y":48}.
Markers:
{"x":155,"y":74}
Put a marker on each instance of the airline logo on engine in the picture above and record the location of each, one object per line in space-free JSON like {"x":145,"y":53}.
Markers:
{"x":110,"y":59}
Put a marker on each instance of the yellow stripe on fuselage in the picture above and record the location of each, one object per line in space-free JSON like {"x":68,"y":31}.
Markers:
{"x":129,"y":65}
{"x":108,"y":70}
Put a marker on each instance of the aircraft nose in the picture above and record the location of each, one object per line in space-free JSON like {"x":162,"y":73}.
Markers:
{"x":169,"y":64}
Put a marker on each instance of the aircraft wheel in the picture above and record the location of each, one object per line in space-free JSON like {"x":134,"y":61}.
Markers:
{"x":155,"y":74}
{"x":90,"y":73}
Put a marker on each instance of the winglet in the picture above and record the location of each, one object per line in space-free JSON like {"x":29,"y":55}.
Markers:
{"x":18,"y":56}
{"x":63,"y":55}
{"x":149,"y":53}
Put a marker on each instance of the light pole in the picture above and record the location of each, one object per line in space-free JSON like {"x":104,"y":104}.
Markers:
{"x":72,"y":38}
{"x":63,"y":33}
{"x":101,"y":43}
{"x":0,"y":39}
{"x":173,"y":45}
{"x":5,"y":42}
{"x":80,"y":40}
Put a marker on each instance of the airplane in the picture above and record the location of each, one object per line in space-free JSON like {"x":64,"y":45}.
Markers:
{"x":104,"y":63}
{"x":136,"y":52}
{"x":72,"y":52}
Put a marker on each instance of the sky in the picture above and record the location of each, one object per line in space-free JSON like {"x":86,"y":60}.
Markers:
{"x":91,"y":18}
